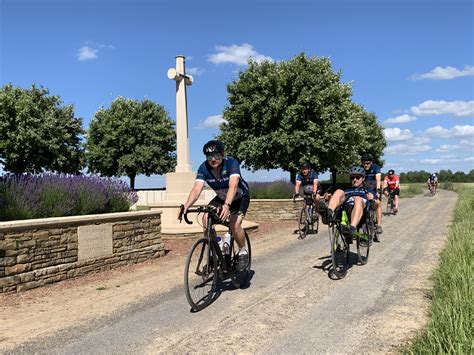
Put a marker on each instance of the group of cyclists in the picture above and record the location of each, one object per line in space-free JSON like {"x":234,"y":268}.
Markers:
{"x":232,"y":199}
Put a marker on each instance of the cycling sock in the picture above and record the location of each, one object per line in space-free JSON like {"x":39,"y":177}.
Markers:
{"x":243,"y":251}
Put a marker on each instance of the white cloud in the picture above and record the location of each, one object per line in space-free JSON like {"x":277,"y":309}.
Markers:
{"x":469,"y":159}
{"x":396,"y":134}
{"x":212,"y":122}
{"x":86,"y":53}
{"x":237,"y":54}
{"x":446,"y":73}
{"x":194,"y":71}
{"x":445,"y":148}
{"x":456,"y":131}
{"x":407,"y":149}
{"x":431,"y":161}
{"x":457,"y":108}
{"x":400,"y":119}
{"x":467,"y":143}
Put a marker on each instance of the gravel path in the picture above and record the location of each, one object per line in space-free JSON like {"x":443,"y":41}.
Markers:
{"x":291,"y":305}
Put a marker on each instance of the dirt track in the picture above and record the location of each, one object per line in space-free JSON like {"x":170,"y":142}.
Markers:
{"x":291,"y":306}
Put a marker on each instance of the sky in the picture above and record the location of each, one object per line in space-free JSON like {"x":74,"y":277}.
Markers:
{"x":409,"y":61}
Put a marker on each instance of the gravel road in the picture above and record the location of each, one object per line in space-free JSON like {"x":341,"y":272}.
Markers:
{"x":291,"y":305}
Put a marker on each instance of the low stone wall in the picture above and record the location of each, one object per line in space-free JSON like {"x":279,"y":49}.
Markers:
{"x":273,"y":210}
{"x":37,"y":252}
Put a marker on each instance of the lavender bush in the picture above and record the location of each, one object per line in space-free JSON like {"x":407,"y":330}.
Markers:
{"x":269,"y":190}
{"x":53,"y":195}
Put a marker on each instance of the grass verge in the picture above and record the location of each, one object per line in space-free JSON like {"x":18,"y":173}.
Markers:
{"x":449,"y":330}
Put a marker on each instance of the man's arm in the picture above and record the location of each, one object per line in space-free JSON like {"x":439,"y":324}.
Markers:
{"x":297,"y":187}
{"x":194,"y":194}
{"x":229,"y":197}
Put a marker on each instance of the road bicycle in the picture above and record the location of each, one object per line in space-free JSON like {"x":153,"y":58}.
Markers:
{"x":206,"y":265}
{"x":338,"y":232}
{"x":390,"y":203}
{"x":308,"y":217}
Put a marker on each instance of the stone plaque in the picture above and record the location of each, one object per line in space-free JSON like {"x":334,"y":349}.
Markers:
{"x":94,"y":241}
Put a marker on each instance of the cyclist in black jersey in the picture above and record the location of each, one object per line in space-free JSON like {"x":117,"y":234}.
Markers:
{"x":222,"y":174}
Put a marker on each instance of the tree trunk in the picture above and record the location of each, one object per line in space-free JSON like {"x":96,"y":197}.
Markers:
{"x":293,"y":176}
{"x":132,"y":181}
{"x":333,"y":178}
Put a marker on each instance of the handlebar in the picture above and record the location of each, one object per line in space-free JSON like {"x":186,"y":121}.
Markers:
{"x":212,"y":211}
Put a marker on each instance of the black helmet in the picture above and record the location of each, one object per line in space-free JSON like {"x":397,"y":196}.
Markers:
{"x":391,"y":172}
{"x":357,"y":170}
{"x":366,"y":157}
{"x":305,"y":165}
{"x":213,"y":146}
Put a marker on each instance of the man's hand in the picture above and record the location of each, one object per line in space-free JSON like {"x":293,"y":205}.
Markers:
{"x":225,"y":212}
{"x":182,"y":210}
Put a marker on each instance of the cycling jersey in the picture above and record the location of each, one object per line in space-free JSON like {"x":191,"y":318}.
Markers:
{"x":370,"y":180}
{"x":433,"y":179}
{"x":307,"y":182}
{"x":356,"y":191}
{"x":393,"y":183}
{"x":229,"y":167}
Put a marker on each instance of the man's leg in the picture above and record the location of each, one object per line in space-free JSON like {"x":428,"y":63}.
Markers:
{"x":237,"y":230}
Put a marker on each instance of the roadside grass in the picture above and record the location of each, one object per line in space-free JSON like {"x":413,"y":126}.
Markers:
{"x":450,"y":328}
{"x":410,"y":190}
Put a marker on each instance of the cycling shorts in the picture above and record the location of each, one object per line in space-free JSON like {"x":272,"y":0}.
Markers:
{"x":238,"y":207}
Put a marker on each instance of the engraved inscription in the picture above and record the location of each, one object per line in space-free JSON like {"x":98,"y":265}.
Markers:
{"x":94,"y":241}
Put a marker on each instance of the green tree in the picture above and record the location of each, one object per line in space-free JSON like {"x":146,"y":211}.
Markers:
{"x":130,"y":138}
{"x":37,"y":133}
{"x":280,"y":114}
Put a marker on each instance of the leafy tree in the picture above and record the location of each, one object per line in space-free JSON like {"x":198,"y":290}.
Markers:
{"x":38,"y":134}
{"x":130,"y":138}
{"x":280,"y":114}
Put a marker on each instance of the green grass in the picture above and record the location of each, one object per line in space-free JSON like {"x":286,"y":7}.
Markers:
{"x":410,"y":190}
{"x":450,"y":328}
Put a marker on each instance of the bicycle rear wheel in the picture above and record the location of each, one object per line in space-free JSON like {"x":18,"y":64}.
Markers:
{"x":315,"y":221}
{"x":371,"y":224}
{"x":241,"y":277}
{"x":364,"y":240}
{"x":303,"y":225}
{"x":339,"y":252}
{"x":200,"y":276}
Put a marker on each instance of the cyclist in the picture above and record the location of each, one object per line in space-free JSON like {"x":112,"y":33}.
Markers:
{"x":432,"y":182}
{"x":308,"y":178}
{"x":391,"y":184}
{"x":373,"y":184}
{"x":359,"y":199}
{"x":222,"y":174}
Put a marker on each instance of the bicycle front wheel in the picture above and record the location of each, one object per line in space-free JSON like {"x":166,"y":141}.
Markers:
{"x":364,"y":240}
{"x":339,"y":252}
{"x":200,"y":276}
{"x":240,"y":270}
{"x":303,"y":225}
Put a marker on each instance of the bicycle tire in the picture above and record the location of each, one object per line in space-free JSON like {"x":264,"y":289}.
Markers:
{"x":303,"y":225}
{"x":240,"y":278}
{"x":363,"y":240}
{"x":389,"y":210}
{"x":339,"y":252}
{"x":200,"y":276}
{"x":372,"y":225}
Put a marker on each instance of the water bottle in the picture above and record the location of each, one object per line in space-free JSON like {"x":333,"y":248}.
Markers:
{"x":226,"y":243}
{"x":344,"y":220}
{"x":220,"y":242}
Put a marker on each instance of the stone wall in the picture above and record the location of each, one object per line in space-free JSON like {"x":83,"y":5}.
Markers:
{"x":273,"y":210}
{"x":37,"y":252}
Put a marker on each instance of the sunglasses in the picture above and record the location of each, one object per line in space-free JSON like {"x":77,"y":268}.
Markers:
{"x":215,"y":156}
{"x":356,"y":177}
{"x":366,"y":162}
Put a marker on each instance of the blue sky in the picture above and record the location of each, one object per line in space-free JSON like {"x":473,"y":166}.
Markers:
{"x":410,"y":62}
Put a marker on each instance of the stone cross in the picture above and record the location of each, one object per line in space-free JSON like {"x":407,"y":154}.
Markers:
{"x":182,"y":137}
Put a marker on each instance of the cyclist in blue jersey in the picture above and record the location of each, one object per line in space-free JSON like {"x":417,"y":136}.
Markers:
{"x":432,"y":183}
{"x":359,"y":200}
{"x":222,"y":174}
{"x":373,"y":184}
{"x":308,"y":179}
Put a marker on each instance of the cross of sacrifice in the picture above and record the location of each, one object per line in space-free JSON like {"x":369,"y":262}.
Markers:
{"x":182,"y":137}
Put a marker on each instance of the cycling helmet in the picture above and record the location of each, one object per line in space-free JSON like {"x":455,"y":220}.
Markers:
{"x":305,"y":165}
{"x":366,"y":157}
{"x":357,"y":170}
{"x":213,"y":146}
{"x":391,"y":172}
